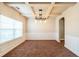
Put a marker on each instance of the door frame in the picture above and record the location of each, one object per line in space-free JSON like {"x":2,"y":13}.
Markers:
{"x":61,"y":25}
{"x":57,"y":28}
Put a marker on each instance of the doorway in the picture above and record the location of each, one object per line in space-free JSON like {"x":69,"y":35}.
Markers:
{"x":62,"y":30}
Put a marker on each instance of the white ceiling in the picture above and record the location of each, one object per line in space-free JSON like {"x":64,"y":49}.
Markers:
{"x":28,"y":10}
{"x":24,"y":9}
{"x":57,"y":8}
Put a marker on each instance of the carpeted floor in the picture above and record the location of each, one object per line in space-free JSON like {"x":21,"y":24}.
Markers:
{"x":40,"y":48}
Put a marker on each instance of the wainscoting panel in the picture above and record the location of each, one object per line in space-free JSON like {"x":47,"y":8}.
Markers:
{"x":72,"y":43}
{"x":41,"y":36}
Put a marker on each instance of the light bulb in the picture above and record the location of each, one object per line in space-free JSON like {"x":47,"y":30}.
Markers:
{"x":35,"y":21}
{"x":40,"y":21}
{"x":45,"y":21}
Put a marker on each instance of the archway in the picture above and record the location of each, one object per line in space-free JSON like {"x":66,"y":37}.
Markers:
{"x":62,"y":30}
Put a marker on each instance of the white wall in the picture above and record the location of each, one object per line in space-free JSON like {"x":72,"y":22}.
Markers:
{"x":41,"y":30}
{"x":71,"y":28}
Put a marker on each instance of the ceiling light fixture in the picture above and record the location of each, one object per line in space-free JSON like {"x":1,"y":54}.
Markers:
{"x":40,"y":15}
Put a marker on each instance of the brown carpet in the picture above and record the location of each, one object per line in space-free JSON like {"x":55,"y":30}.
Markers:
{"x":40,"y":48}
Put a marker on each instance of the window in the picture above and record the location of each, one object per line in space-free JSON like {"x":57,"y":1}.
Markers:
{"x":9,"y":29}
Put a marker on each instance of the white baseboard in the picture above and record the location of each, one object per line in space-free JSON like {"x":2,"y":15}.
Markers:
{"x":8,"y":46}
{"x":41,"y":36}
{"x":72,"y":43}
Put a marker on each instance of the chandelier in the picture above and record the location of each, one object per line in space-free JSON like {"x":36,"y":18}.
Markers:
{"x":40,"y":15}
